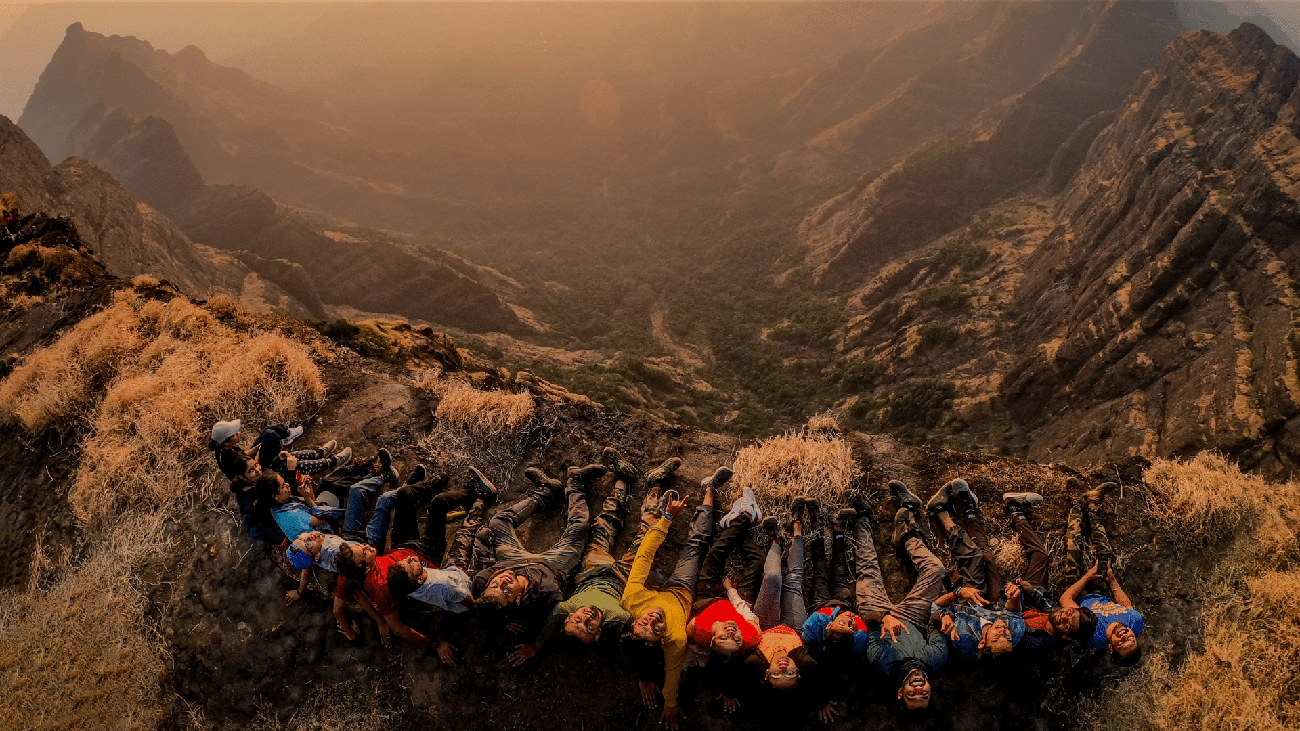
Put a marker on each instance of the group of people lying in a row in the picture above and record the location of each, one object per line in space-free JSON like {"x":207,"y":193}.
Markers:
{"x":761,"y":627}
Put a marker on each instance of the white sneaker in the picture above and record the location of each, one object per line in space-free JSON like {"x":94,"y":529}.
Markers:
{"x":343,"y":456}
{"x":294,"y":433}
{"x":745,"y":509}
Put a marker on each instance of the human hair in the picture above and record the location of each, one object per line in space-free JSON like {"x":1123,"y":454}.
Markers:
{"x":1128,"y":660}
{"x":1087,"y":625}
{"x":400,"y":583}
{"x":348,"y":565}
{"x":838,"y":641}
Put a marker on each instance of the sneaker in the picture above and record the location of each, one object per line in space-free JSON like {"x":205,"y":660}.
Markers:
{"x":719,"y":478}
{"x":744,"y":510}
{"x":294,"y":433}
{"x":904,"y":496}
{"x":417,"y":475}
{"x":1099,"y":493}
{"x":342,"y":457}
{"x":542,"y":481}
{"x":964,"y":498}
{"x":938,"y":502}
{"x":481,"y":486}
{"x":622,"y":469}
{"x":663,"y":473}
{"x":385,"y":458}
{"x":1017,"y":503}
{"x":328,"y":448}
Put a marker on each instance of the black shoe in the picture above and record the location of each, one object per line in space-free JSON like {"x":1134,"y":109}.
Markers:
{"x":904,"y":496}
{"x":586,"y":474}
{"x":481,"y":486}
{"x":385,"y":459}
{"x":813,"y":507}
{"x":663,"y":473}
{"x":798,"y":511}
{"x":622,"y":469}
{"x":772,"y":528}
{"x":544,"y":484}
{"x":858,"y":503}
{"x":905,"y":525}
{"x":845,"y":519}
{"x":964,"y":498}
{"x":417,"y":475}
{"x":939,"y":502}
{"x":1018,"y":503}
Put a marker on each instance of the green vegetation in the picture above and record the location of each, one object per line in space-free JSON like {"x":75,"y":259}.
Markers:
{"x":365,"y":339}
{"x":946,"y":296}
{"x":935,"y":335}
{"x":960,"y":253}
{"x":911,"y":411}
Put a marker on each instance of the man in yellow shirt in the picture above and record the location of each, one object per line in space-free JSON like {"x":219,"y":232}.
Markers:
{"x":661,"y":614}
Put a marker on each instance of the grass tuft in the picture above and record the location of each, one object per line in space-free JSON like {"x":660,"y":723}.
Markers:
{"x":818,"y":465}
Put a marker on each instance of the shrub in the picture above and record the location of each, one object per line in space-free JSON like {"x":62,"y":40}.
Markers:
{"x":485,"y":414}
{"x":960,"y":253}
{"x":947,"y":296}
{"x":934,"y":335}
{"x":148,"y":378}
{"x":779,"y":469}
{"x":920,"y":402}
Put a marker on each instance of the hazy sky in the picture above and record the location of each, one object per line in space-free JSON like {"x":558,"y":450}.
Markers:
{"x":31,"y":32}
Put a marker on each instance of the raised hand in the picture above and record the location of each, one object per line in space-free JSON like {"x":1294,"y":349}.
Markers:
{"x":890,"y":626}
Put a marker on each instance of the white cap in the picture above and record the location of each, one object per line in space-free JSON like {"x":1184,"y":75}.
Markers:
{"x":224,"y":430}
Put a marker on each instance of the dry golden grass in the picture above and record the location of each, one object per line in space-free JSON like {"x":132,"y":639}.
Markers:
{"x":144,"y":281}
{"x":1247,"y":677}
{"x":1008,"y":556}
{"x":782,"y":468}
{"x":149,"y":377}
{"x":485,"y":414}
{"x":82,"y":654}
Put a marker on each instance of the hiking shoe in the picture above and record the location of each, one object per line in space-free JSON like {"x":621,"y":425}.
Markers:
{"x":342,"y":457}
{"x":328,"y":448}
{"x":622,"y":469}
{"x":904,"y":496}
{"x":772,"y":528}
{"x":663,"y":473}
{"x":905,"y":524}
{"x":294,"y":433}
{"x":859,"y":503}
{"x":586,"y":474}
{"x":1099,"y":493}
{"x":798,"y":510}
{"x":813,"y":508}
{"x":964,"y":498}
{"x":1074,"y":484}
{"x":417,"y":475}
{"x":481,"y":486}
{"x":719,"y":478}
{"x":1017,"y":503}
{"x":385,"y":458}
{"x":939,"y":502}
{"x":668,"y":497}
{"x":542,"y":481}
{"x":845,"y":518}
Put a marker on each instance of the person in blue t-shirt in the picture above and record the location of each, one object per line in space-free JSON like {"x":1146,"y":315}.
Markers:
{"x":1118,"y":623}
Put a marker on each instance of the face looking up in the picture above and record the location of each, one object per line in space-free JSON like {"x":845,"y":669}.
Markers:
{"x":584,"y":624}
{"x":650,"y":626}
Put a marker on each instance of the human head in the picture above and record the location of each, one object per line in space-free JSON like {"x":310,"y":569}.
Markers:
{"x":782,"y":673}
{"x":914,"y":691}
{"x":996,"y":639}
{"x":249,"y":469}
{"x":583,"y":624}
{"x":503,"y":589}
{"x":727,"y":638}
{"x":355,"y":559}
{"x":224,"y":431}
{"x":271,"y":486}
{"x":1122,"y":643}
{"x":405,"y":576}
{"x":651,"y":625}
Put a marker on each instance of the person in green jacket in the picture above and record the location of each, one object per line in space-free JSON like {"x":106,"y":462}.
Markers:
{"x":593,"y":612}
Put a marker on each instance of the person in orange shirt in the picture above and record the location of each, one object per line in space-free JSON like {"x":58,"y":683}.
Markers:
{"x":661,"y":614}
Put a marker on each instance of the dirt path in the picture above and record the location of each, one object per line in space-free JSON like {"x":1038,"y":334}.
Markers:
{"x":662,"y":336}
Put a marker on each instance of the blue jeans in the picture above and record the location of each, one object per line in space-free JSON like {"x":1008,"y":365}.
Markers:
{"x":687,"y":571}
{"x":356,"y":508}
{"x":780,"y":601}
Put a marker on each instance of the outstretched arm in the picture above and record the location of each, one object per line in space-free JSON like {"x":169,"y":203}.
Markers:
{"x":294,"y":595}
{"x":1116,"y":591}
{"x":645,"y":556}
{"x":401,"y":630}
{"x":1070,"y":598}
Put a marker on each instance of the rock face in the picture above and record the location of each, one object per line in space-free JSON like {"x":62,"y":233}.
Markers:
{"x":371,"y":276}
{"x":1093,"y":58}
{"x":1164,"y":309}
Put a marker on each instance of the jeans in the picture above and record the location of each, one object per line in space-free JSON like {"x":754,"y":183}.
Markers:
{"x":564,"y":556}
{"x":832,"y":580}
{"x":733,"y":537}
{"x":872,"y":597}
{"x":780,"y":600}
{"x":687,"y":570}
{"x":353,"y":523}
{"x":432,"y":543}
{"x":974,"y":556}
{"x":599,"y":559}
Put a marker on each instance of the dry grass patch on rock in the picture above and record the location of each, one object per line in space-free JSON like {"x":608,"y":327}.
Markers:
{"x":148,"y":377}
{"x":485,"y":414}
{"x":782,"y":468}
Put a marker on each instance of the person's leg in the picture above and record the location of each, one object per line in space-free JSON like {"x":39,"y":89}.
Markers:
{"x":929,"y":584}
{"x":605,"y":528}
{"x":1031,"y":545}
{"x":821,"y":586}
{"x":992,"y":578}
{"x":650,"y":515}
{"x":1074,"y":559}
{"x":354,"y":518}
{"x":870,"y":583}
{"x":767,"y":606}
{"x":793,"y":609}
{"x":715,"y":562}
{"x":564,"y":556}
{"x":687,"y":570}
{"x":842,"y":569}
{"x":965,"y":553}
{"x":1098,"y":522}
{"x":464,"y":543}
{"x":433,"y":542}
{"x":312,"y":464}
{"x":502,"y":525}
